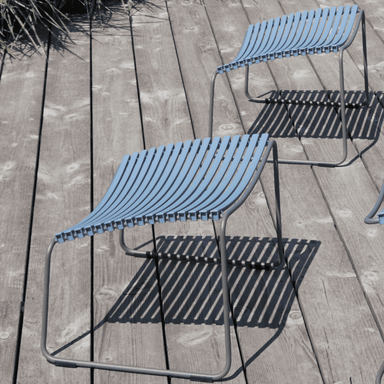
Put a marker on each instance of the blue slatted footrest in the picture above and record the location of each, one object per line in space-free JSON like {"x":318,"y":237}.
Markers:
{"x":194,"y":180}
{"x":320,"y":30}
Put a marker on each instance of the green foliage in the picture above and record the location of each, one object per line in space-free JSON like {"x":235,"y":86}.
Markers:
{"x":23,"y":19}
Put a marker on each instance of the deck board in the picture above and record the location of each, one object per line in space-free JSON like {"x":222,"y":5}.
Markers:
{"x":20,"y":131}
{"x":62,"y":195}
{"x":317,"y":319}
{"x":123,"y":285}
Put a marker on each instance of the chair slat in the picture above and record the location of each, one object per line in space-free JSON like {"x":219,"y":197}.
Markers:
{"x":342,"y":36}
{"x":273,"y":48}
{"x":239,"y":185}
{"x":179,"y":182}
{"x":315,"y":31}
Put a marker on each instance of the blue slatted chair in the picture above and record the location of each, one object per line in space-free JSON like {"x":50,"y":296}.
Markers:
{"x":197,"y":180}
{"x":370,"y":219}
{"x":322,"y":30}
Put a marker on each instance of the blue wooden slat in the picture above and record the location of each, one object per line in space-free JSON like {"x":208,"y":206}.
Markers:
{"x":192,"y":179}
{"x":98,"y":224}
{"x":131,"y":186}
{"x":175,"y":183}
{"x":256,"y":33}
{"x":238,"y":186}
{"x":150,"y":180}
{"x":341,"y":38}
{"x":234,"y":181}
{"x":167,"y":181}
{"x":309,"y":32}
{"x":214,"y":176}
{"x":327,"y":29}
{"x":265,"y":39}
{"x":272,"y":50}
{"x":221,"y":181}
{"x":194,"y":176}
{"x":271,"y":40}
{"x":288,"y":27}
{"x":154,"y":190}
{"x":334,"y":30}
{"x":292,"y":31}
{"x":257,"y":44}
{"x":200,"y":183}
{"x":247,"y":40}
{"x":340,"y":30}
{"x":298,"y":33}
{"x":174,"y":180}
{"x":320,"y":30}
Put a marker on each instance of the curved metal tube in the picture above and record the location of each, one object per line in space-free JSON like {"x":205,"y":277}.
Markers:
{"x":70,"y":363}
{"x":343,"y":121}
{"x":369,"y":219}
{"x":380,"y":374}
{"x":212,"y":96}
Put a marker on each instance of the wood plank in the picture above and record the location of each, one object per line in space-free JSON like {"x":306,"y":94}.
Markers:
{"x":319,"y":292}
{"x":125,"y":287}
{"x":21,"y":94}
{"x":326,"y":125}
{"x":272,"y":331}
{"x":191,"y":347}
{"x":198,"y":58}
{"x":62,"y":198}
{"x":287,"y":329}
{"x":364,"y":125}
{"x":374,"y":11}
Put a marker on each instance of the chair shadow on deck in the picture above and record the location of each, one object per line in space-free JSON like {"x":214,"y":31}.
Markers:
{"x":319,"y":121}
{"x":191,"y":291}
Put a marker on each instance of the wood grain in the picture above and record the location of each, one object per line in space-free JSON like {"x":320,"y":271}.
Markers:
{"x":191,"y":346}
{"x":125,"y":287}
{"x":62,"y":199}
{"x":198,"y":58}
{"x":297,"y":184}
{"x":282,"y":327}
{"x":21,"y":95}
{"x":364,"y":124}
{"x":338,"y":195}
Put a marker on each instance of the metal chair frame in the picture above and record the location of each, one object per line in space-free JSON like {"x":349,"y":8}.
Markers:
{"x":342,"y":103}
{"x":380,"y":216}
{"x":223,"y":261}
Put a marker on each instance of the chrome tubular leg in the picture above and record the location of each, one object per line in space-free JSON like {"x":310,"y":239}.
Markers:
{"x":246,"y":90}
{"x":211,"y":102}
{"x":342,"y":109}
{"x":369,"y":219}
{"x":277,"y":200}
{"x":365,"y":57}
{"x":224,"y":276}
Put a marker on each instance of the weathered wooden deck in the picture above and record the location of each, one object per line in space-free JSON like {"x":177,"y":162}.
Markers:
{"x":139,"y":82}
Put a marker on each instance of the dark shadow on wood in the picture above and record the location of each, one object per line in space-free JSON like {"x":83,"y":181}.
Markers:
{"x":319,"y":121}
{"x":259,"y":298}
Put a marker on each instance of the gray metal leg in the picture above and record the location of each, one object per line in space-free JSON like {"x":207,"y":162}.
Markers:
{"x":369,"y":219}
{"x":380,"y":374}
{"x":342,"y":103}
{"x":70,"y":363}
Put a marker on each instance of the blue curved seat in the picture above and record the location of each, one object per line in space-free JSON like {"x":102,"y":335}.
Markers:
{"x":193,"y":180}
{"x":196,"y":180}
{"x":323,"y":30}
